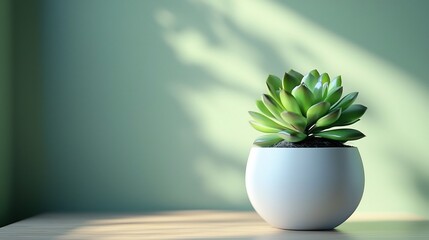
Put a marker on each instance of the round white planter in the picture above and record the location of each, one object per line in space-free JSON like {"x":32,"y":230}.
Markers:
{"x":305,"y":188}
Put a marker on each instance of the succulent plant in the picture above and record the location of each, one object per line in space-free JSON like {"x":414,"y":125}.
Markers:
{"x":299,"y":107}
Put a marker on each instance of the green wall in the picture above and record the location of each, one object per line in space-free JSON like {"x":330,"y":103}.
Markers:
{"x":142,"y":105}
{"x":27,"y":146}
{"x":117,"y":137}
{"x":145,"y":102}
{"x":21,"y":166}
{"x":5,"y":111}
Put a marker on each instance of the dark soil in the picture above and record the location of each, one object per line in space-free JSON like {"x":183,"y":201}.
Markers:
{"x":311,"y":142}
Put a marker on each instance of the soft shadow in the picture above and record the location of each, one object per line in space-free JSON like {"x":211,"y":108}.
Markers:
{"x":118,"y":134}
{"x":145,"y":103}
{"x":371,"y":25}
{"x":415,"y":170}
{"x":27,"y":151}
{"x":386,"y":229}
{"x":391,"y":92}
{"x":306,"y":235}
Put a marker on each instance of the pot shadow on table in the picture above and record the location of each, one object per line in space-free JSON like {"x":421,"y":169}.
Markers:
{"x":304,"y":235}
{"x":360,"y":230}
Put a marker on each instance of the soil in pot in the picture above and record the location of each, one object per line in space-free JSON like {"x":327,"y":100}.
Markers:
{"x":310,"y":142}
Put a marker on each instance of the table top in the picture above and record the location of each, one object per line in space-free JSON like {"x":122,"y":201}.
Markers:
{"x":204,"y":225}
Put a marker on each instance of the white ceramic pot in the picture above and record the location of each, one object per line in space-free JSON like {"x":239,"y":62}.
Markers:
{"x":305,"y":188}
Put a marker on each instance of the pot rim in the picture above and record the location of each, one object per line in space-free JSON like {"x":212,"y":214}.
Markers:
{"x":349,"y":147}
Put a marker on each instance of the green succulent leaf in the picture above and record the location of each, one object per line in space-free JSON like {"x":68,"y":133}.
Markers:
{"x":325,"y":90}
{"x":267,"y":140}
{"x":346,"y":101}
{"x":310,"y":80}
{"x":336,"y":82}
{"x":304,"y":97}
{"x":328,"y":119}
{"x":261,"y":106}
{"x":265,"y":120}
{"x":297,"y":121}
{"x":315,"y":73}
{"x":290,"y":82}
{"x":262,"y":128}
{"x":345,"y":124}
{"x":318,"y":91}
{"x":274,"y":84}
{"x":296,"y":74}
{"x":317,"y":111}
{"x":324,"y":78}
{"x":299,"y":106}
{"x":292,"y":136}
{"x":351,"y":115}
{"x":289,"y":102}
{"x":335,"y":95}
{"x":341,"y":135}
{"x":271,"y":104}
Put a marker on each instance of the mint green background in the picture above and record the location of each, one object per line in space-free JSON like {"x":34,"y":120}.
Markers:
{"x":142,"y":105}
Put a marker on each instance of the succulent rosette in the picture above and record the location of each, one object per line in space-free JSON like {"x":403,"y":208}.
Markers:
{"x":300,"y":107}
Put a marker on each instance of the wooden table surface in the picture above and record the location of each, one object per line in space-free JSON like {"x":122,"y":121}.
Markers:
{"x":204,"y":225}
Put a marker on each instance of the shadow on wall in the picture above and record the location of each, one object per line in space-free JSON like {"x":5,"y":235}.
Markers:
{"x":415,"y":175}
{"x":234,"y":45}
{"x":144,"y":104}
{"x":117,"y":137}
{"x":5,"y":112}
{"x":27,"y":160}
{"x":395,"y":33}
